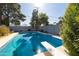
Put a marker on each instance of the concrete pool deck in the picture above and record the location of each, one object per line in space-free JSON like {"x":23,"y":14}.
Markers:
{"x":5,"y":39}
{"x":62,"y":50}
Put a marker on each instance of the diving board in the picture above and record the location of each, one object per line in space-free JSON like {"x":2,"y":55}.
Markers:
{"x":52,"y":50}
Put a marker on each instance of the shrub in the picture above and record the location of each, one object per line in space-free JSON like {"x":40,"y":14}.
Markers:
{"x":29,"y":29}
{"x":70,"y":29}
{"x":4,"y":30}
{"x":41,"y":30}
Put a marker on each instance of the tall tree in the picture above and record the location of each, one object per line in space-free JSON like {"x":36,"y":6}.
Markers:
{"x":38,"y":19}
{"x":70,"y":29}
{"x":34,"y":22}
{"x":10,"y":13}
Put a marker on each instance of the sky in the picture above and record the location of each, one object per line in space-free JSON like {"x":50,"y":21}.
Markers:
{"x":53,"y":10}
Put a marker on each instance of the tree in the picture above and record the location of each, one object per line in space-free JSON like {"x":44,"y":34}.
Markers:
{"x":38,"y":19}
{"x":43,"y":18}
{"x":34,"y":22}
{"x":70,"y":29}
{"x":10,"y":13}
{"x":1,"y":13}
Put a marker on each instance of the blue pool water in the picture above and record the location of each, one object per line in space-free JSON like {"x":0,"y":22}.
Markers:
{"x":27,"y":44}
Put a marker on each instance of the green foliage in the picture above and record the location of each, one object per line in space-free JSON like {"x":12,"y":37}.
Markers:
{"x":43,"y":18}
{"x":35,"y":22}
{"x":38,"y":19}
{"x":70,"y":29}
{"x":4,"y":30}
{"x":9,"y":12}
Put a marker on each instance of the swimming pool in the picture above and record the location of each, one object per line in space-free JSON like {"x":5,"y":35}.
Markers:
{"x":28,"y":44}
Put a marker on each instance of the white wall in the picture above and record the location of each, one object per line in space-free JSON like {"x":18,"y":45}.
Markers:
{"x":19,"y":28}
{"x":52,"y":29}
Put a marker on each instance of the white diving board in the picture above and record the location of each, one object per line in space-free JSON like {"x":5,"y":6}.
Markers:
{"x":52,"y":50}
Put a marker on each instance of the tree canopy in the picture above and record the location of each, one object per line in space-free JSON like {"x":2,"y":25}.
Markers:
{"x":11,"y":13}
{"x":38,"y":19}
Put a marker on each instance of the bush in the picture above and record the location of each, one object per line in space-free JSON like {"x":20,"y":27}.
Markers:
{"x":29,"y":29}
{"x":4,"y":30}
{"x":70,"y":29}
{"x":41,"y":30}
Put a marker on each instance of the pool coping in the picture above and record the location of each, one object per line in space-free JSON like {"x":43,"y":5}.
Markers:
{"x":5,"y":39}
